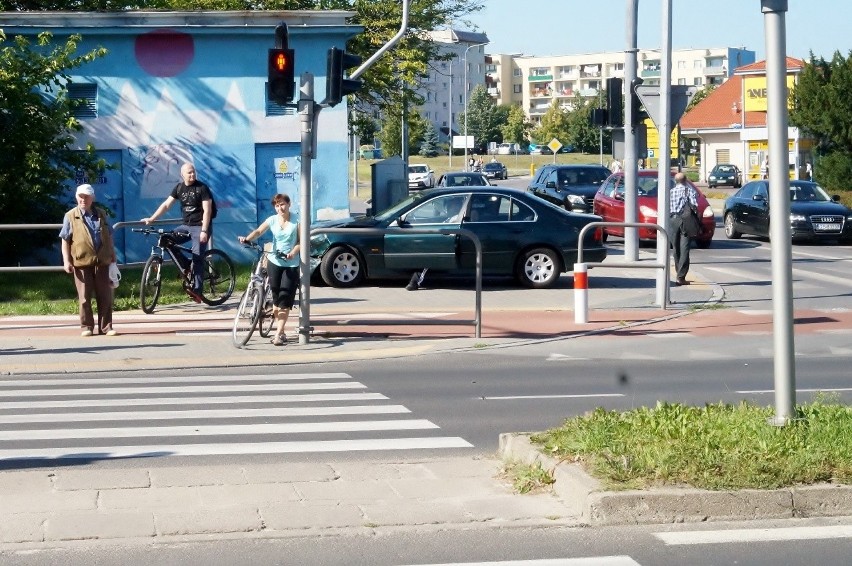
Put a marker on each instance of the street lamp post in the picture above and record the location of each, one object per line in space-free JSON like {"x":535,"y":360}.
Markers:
{"x":450,"y":122}
{"x":464,"y":86}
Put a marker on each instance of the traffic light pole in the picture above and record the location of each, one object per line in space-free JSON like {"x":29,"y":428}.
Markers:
{"x":631,"y":162}
{"x":308,"y":112}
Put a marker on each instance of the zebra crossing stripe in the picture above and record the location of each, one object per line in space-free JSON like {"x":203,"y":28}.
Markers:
{"x":89,"y":452}
{"x":214,"y":430}
{"x":188,"y":389}
{"x":203,"y":414}
{"x":755,"y":535}
{"x":173,"y":379}
{"x":194,"y":401}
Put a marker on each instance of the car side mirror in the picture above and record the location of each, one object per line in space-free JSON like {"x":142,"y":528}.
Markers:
{"x":759,"y":197}
{"x":835,"y":198}
{"x":401,"y":222}
{"x":619,"y":196}
{"x":550,"y":185}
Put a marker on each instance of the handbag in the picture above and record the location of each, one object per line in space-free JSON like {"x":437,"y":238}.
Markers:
{"x":689,"y":221}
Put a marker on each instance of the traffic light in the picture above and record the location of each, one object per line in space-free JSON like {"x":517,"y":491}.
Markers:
{"x":638,"y":114}
{"x":336,"y":87}
{"x":281,"y":83}
{"x":614,"y":102}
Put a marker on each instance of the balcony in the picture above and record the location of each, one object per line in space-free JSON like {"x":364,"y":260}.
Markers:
{"x":651,"y":72}
{"x":494,"y":91}
{"x":540,"y":78}
{"x":720,"y":71}
{"x":541,"y":93}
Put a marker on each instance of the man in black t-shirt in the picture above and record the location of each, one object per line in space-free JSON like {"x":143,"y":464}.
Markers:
{"x":196,"y":206}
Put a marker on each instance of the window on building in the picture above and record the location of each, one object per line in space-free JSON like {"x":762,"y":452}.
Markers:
{"x":444,"y":104}
{"x":697,"y":64}
{"x":698,"y":81}
{"x":517,"y":89}
{"x":681,"y":81}
{"x":517,"y":73}
{"x":618,"y":67}
{"x":86,"y":97}
{"x":681,"y":64}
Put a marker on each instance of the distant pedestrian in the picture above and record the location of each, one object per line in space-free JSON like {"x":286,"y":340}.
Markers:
{"x":809,"y":172}
{"x":682,"y":200}
{"x":615,"y":166}
{"x":87,"y":252}
{"x":764,"y":168}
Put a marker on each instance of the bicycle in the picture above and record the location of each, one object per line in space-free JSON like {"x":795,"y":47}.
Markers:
{"x":256,"y":306}
{"x":217,"y":282}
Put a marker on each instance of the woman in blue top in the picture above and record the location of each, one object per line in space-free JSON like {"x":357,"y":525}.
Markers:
{"x":283,"y":261}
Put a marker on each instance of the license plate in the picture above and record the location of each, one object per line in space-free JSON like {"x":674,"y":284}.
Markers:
{"x":823,"y":227}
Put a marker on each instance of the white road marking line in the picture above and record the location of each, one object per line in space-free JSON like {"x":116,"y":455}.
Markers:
{"x":230,"y":413}
{"x":173,"y":379}
{"x":755,"y":535}
{"x":590,"y":561}
{"x":805,"y":273}
{"x":563,"y":357}
{"x":188,"y":389}
{"x":819,"y":256}
{"x":732,"y":272}
{"x":668,"y":335}
{"x":816,"y":390}
{"x":215,"y":430}
{"x":89,"y":452}
{"x":195,"y":401}
{"x":516,"y":397}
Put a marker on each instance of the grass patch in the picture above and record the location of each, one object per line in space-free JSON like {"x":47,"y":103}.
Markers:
{"x":717,"y":447}
{"x":527,"y":478}
{"x":707,"y":307}
{"x":53,"y":293}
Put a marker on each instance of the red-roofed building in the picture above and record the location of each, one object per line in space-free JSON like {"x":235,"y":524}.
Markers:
{"x":729,"y":126}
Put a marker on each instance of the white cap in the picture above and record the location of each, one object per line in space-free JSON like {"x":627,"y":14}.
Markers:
{"x":86,"y":189}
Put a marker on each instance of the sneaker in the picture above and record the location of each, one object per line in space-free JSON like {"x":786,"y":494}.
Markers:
{"x":279,"y":340}
{"x":194,"y":295}
{"x":86,"y":333}
{"x":111,"y":333}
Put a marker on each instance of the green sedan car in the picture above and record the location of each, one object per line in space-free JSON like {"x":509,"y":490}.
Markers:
{"x":521,"y":235}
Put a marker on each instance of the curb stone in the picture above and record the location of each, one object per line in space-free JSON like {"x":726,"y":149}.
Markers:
{"x":585,"y":495}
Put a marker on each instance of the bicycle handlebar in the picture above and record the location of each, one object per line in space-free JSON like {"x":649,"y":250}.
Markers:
{"x":259,"y":249}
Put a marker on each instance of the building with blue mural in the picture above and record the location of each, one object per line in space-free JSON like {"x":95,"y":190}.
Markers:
{"x":181,"y":87}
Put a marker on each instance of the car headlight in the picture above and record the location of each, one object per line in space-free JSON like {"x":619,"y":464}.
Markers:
{"x":647,"y":211}
{"x":575,"y":199}
{"x":797,"y":217}
{"x":708,"y":212}
{"x":712,"y":177}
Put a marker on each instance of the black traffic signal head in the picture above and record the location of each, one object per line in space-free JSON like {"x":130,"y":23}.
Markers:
{"x":614,"y":102}
{"x":638,"y":114}
{"x":281,"y":83}
{"x":336,"y":86}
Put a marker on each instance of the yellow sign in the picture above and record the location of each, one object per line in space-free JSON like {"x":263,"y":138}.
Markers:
{"x":754,"y":93}
{"x":653,"y":138}
{"x":555,"y":145}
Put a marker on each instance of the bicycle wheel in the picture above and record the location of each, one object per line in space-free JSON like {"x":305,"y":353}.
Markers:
{"x":219,"y":279}
{"x":247,"y":317}
{"x":149,"y":290}
{"x":267,"y":321}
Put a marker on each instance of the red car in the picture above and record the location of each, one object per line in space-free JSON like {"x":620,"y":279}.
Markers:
{"x":609,"y":205}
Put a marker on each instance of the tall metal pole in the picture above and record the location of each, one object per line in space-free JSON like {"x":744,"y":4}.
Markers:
{"x":306,"y":118}
{"x":664,"y":169}
{"x":464,"y":87}
{"x":631,"y":163}
{"x":450,"y":122}
{"x":779,"y":222}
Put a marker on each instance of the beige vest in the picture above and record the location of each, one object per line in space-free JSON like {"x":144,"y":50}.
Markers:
{"x":83,"y":252}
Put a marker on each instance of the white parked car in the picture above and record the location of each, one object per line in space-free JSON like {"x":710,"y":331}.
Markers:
{"x":420,"y":176}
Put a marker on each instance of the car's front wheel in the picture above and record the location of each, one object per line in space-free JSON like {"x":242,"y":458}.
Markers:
{"x":730,"y":231}
{"x":342,"y":267}
{"x":538,"y":268}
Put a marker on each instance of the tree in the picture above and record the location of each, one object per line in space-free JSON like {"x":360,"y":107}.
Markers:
{"x":37,"y":136}
{"x":429,"y":147}
{"x":516,"y":128}
{"x":391,"y":132}
{"x":580,"y":132}
{"x":822,"y":108}
{"x":699,"y":96}
{"x":554,"y":124}
{"x":484,"y":118}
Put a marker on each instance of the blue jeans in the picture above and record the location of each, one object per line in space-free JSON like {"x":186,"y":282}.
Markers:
{"x":198,"y":250}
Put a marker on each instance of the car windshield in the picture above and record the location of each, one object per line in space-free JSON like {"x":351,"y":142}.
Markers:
{"x":493,"y":166}
{"x":418,"y":169}
{"x":724,"y":169}
{"x":808,"y":192}
{"x":573,"y":177}
{"x":465,"y":180}
{"x":394,"y":210}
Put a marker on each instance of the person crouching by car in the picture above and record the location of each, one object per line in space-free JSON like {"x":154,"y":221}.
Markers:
{"x":87,"y":252}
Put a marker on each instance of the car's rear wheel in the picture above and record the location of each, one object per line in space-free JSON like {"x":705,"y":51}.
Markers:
{"x":538,"y":268}
{"x":342,"y":267}
{"x":730,"y":231}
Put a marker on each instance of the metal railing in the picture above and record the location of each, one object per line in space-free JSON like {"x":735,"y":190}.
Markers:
{"x":477,"y":320}
{"x":640,"y":263}
{"x":58,"y":227}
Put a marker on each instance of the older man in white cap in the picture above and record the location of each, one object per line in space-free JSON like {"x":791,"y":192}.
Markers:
{"x":87,"y":252}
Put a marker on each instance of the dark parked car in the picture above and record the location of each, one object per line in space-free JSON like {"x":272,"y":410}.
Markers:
{"x":609,"y":204}
{"x":521,"y":236}
{"x":813,"y":214}
{"x":571,"y":186}
{"x":495,"y":170}
{"x":725,"y":174}
{"x":463,"y":179}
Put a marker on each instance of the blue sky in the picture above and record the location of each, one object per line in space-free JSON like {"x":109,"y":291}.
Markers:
{"x":562,"y":27}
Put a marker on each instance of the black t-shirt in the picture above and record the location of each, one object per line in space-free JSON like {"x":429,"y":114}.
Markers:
{"x":190,"y":198}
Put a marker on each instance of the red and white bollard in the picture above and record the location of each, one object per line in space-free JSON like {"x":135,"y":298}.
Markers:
{"x":581,"y":294}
